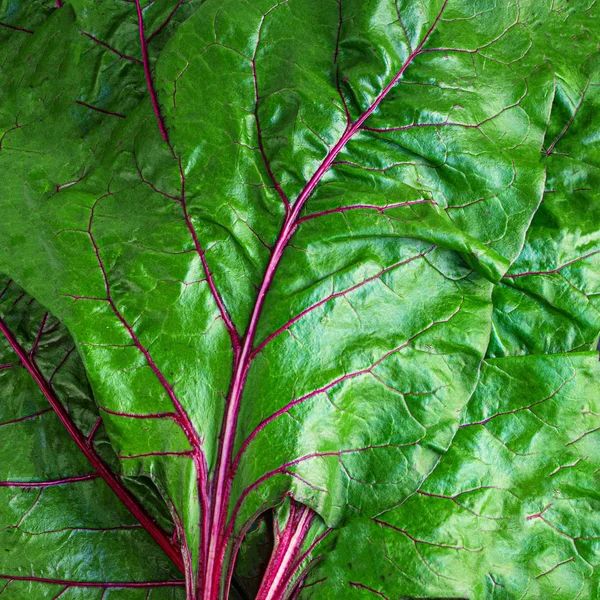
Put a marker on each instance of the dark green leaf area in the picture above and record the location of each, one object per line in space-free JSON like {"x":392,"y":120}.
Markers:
{"x":61,"y":526}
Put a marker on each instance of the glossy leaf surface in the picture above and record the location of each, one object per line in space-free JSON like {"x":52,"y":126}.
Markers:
{"x":62,"y":529}
{"x":511,"y":510}
{"x":284,"y":236}
{"x":548,"y":302}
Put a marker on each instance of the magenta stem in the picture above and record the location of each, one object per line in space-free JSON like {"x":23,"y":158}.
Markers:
{"x":222,"y":486}
{"x":147,"y":73}
{"x":156,"y":532}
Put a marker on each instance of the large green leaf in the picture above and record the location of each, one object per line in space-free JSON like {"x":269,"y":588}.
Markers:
{"x":274,"y":230}
{"x":63,"y":532}
{"x":511,"y":511}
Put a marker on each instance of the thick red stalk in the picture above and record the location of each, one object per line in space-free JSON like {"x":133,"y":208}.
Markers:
{"x":222,"y":484}
{"x":287,"y":548}
{"x":154,"y":530}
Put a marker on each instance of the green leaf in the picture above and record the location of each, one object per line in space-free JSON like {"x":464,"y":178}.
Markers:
{"x":511,"y":510}
{"x":549,"y":300}
{"x":253,"y":555}
{"x":62,"y":529}
{"x":280,"y":234}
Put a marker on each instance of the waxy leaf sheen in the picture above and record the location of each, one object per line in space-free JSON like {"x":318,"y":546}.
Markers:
{"x":52,"y":543}
{"x":301,"y":299}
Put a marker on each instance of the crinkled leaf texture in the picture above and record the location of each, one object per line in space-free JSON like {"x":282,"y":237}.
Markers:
{"x":331,"y":270}
{"x":510,"y":511}
{"x":62,"y":530}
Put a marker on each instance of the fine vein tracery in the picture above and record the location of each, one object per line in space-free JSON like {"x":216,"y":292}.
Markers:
{"x":89,"y":451}
{"x":214,"y":496}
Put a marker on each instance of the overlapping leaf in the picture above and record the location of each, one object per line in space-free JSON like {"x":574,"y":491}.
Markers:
{"x":511,"y":511}
{"x":274,"y":229}
{"x":549,"y":300}
{"x":63,"y":532}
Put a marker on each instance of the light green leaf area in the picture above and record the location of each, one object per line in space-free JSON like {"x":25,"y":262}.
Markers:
{"x":510,"y":511}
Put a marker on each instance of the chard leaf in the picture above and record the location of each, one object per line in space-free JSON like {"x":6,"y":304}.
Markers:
{"x":275,"y":231}
{"x":63,"y":531}
{"x":548,"y":302}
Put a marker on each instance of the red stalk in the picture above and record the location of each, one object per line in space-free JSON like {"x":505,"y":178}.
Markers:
{"x":154,"y":530}
{"x":224,"y":474}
